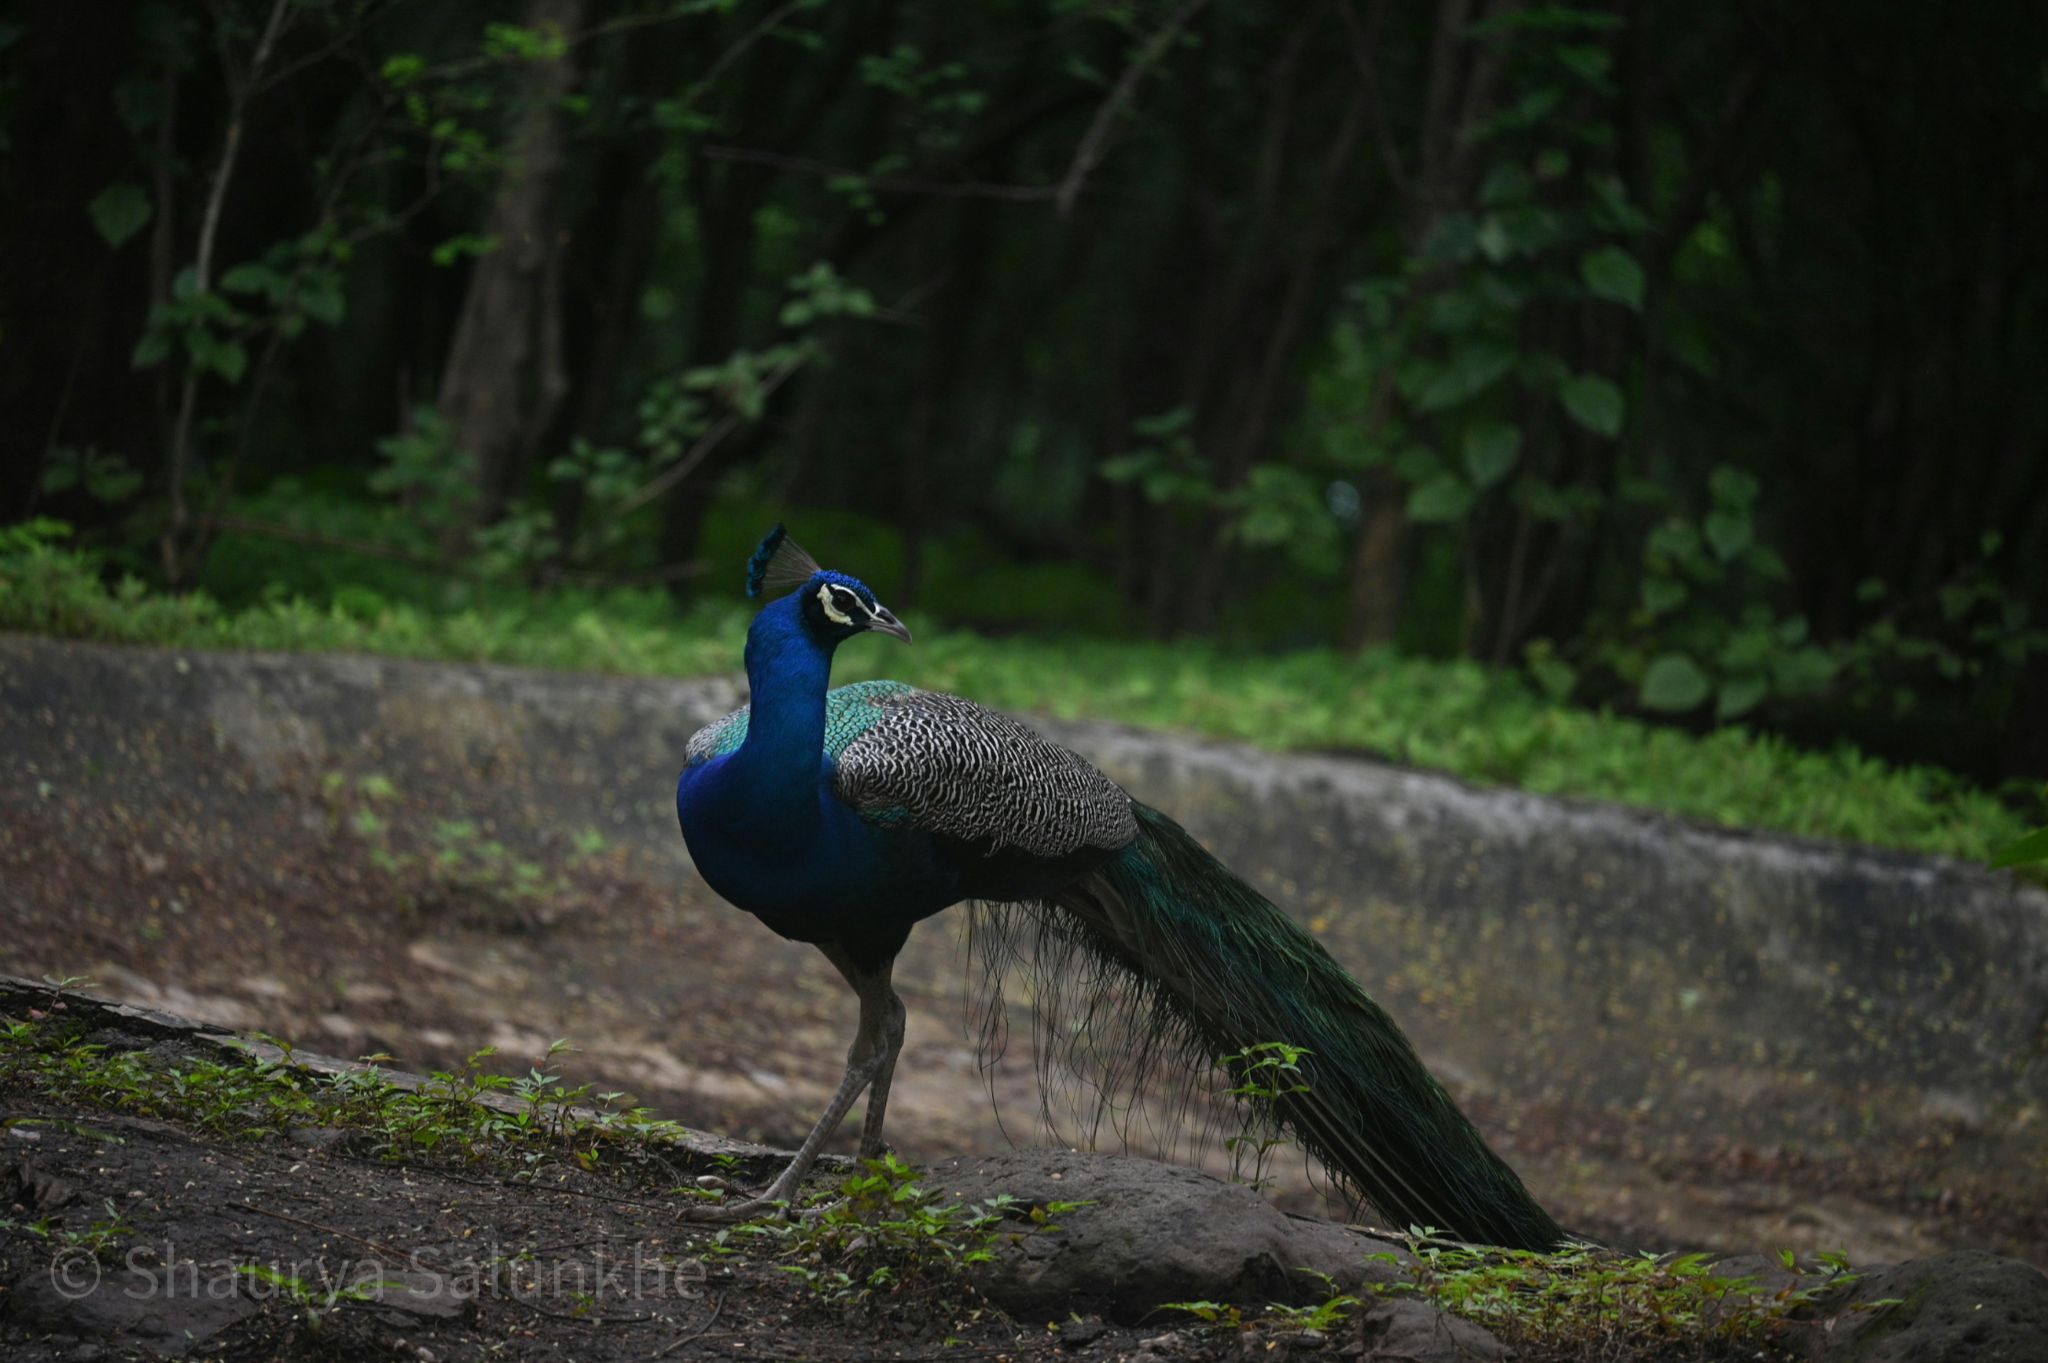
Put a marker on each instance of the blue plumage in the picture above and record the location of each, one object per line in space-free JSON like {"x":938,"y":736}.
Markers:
{"x":843,"y":817}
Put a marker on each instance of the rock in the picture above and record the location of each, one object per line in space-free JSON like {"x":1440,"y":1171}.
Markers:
{"x":1405,"y":1330}
{"x":1079,"y":1334}
{"x":1172,"y":1344}
{"x":1151,"y":1234}
{"x":164,"y":1313}
{"x":317,"y":1137}
{"x":28,"y":1188}
{"x":421,"y":1296}
{"x":1964,"y":1307}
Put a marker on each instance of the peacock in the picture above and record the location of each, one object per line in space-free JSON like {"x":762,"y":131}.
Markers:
{"x":843,"y":816}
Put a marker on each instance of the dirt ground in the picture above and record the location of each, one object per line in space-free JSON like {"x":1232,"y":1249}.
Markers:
{"x":271,"y":911}
{"x":454,"y":1260}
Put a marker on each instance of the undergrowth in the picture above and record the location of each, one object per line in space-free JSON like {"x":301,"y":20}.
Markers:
{"x":1579,"y":1304}
{"x":536,"y":1119}
{"x":883,"y":1239}
{"x":1458,"y":717}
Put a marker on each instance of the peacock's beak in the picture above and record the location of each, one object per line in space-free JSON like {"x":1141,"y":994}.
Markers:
{"x":882,"y":622}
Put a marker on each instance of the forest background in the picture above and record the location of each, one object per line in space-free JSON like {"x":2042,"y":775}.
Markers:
{"x":1625,"y":400}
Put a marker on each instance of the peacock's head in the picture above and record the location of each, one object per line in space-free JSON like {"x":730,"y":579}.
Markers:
{"x":833,"y":606}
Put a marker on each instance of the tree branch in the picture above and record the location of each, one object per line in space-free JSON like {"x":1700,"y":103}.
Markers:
{"x":1089,"y":151}
{"x":953,"y":189}
{"x":171,"y":546}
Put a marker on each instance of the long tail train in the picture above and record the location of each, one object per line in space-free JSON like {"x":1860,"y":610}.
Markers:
{"x":1218,"y":968}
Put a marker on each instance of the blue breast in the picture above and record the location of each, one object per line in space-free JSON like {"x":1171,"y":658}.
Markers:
{"x":811,"y":878}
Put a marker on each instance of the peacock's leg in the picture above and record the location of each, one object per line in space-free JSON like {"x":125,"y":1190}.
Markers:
{"x":872,"y":1057}
{"x":878,"y":1093}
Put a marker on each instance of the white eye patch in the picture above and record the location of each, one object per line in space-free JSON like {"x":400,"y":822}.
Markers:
{"x":831,"y":606}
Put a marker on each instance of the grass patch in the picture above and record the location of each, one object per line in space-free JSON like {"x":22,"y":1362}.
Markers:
{"x":1578,"y":1303}
{"x":242,"y":1099}
{"x":1457,"y":717}
{"x":882,"y":1239}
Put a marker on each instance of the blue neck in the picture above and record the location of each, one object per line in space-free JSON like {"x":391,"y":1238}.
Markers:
{"x":788,"y":671}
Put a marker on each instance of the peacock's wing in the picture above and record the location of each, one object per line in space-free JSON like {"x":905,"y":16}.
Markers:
{"x":935,"y":762}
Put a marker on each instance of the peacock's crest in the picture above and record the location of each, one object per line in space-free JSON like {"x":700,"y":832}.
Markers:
{"x":779,"y":562}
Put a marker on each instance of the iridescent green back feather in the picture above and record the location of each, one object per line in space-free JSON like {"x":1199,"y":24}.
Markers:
{"x":850,"y":711}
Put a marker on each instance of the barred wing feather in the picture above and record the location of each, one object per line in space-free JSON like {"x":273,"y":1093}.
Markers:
{"x":948,"y":766}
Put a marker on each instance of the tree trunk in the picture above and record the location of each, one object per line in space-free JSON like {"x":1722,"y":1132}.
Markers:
{"x":504,"y":381}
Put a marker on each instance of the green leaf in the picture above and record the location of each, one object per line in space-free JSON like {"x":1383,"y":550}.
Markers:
{"x":1662,"y":594}
{"x":1728,"y":533}
{"x":1471,"y":369}
{"x":1442,"y":499}
{"x":153,"y":348}
{"x":2028,"y":850}
{"x":229,"y":360}
{"x":1594,"y":402}
{"x":322,"y":301}
{"x":1733,"y":487}
{"x":1557,"y":677}
{"x":1613,"y":274}
{"x":1738,"y":696}
{"x":1804,"y":671}
{"x":1491,"y":449}
{"x":1495,"y":242}
{"x":1674,"y":682}
{"x":249,"y":278}
{"x":120,"y":211}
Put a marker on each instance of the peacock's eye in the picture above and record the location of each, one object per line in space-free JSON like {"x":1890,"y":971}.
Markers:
{"x":839,"y":603}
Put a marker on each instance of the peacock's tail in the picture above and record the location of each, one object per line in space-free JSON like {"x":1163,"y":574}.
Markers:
{"x":1214,"y":969}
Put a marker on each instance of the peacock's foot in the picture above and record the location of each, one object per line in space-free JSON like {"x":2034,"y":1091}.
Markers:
{"x":763,"y":1208}
{"x":710,"y":1213}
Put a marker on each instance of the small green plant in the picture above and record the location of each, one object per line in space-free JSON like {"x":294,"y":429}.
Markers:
{"x":456,"y":862}
{"x":1583,"y":1301}
{"x":1222,"y":1315}
{"x":312,"y":1303}
{"x":102,"y":1238}
{"x":1276,"y":1317}
{"x":883,"y":1237}
{"x":1265,"y":1073}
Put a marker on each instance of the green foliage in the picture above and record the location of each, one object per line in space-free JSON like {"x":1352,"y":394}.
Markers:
{"x":103,"y":1238}
{"x":120,"y":211}
{"x":1456,"y":717}
{"x":441,"y":863}
{"x":519,"y":1123}
{"x":1276,"y":1319}
{"x":2030,"y":850}
{"x":883,"y":1238}
{"x":100,"y":476}
{"x":1586,"y":1302}
{"x":1571,"y":319}
{"x":1703,"y":629}
{"x":199,"y":323}
{"x":1454,"y":327}
{"x":1261,"y":1075}
{"x":426,"y":475}
{"x":1275,"y":506}
{"x":311,"y":1302}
